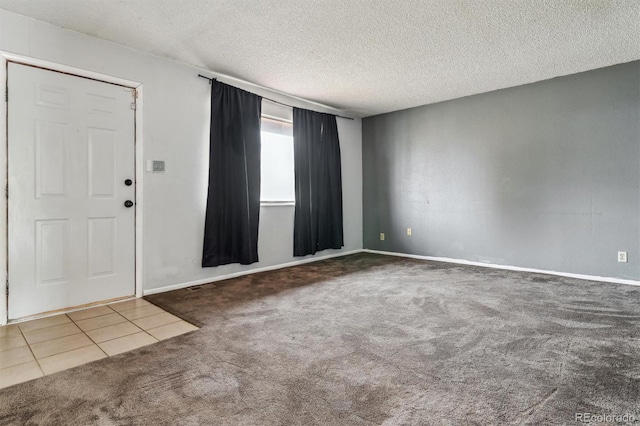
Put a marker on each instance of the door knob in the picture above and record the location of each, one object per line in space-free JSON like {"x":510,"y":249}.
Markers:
{"x":128,"y":182}
{"x":128,"y":203}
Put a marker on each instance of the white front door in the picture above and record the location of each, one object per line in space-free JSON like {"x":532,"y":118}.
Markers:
{"x":71,"y":239}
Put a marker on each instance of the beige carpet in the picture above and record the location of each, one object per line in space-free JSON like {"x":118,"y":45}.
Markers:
{"x":364,"y":340}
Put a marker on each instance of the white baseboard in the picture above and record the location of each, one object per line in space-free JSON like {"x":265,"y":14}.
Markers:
{"x":388,"y":253}
{"x":247,"y":272}
{"x":507,"y":267}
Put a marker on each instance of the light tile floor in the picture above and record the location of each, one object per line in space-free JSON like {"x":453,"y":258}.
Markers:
{"x":44,"y":346}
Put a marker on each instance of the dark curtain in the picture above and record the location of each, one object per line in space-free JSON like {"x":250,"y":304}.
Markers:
{"x":233,"y":201}
{"x":318,"y":183}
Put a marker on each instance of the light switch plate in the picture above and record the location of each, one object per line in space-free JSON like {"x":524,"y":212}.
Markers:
{"x":158,"y":166}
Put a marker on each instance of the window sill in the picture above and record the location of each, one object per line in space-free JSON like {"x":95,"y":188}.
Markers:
{"x":277,"y":203}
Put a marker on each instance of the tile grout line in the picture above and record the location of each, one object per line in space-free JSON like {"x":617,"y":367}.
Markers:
{"x":138,"y":307}
{"x":57,"y":338}
{"x":93,"y":342}
{"x":150,"y":315}
{"x":7,"y":336}
{"x":97,"y":316}
{"x":98,"y":343}
{"x":101,"y":350}
{"x":25,"y":362}
{"x":172,"y":322}
{"x":31,"y":349}
{"x":127,"y":320}
{"x":43,"y":328}
{"x":27,"y":344}
{"x":17,"y":324}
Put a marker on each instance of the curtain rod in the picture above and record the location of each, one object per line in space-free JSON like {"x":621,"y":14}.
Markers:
{"x":277,"y":102}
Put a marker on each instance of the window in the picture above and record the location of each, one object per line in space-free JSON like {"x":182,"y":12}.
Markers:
{"x":277,"y":173}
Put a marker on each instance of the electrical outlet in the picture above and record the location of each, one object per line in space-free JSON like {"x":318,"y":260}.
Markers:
{"x":409,"y":231}
{"x":622,"y":256}
{"x":382,"y":236}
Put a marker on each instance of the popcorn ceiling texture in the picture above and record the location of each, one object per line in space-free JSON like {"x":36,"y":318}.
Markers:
{"x":365,"y":57}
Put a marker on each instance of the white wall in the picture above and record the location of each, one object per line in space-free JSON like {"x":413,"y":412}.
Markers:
{"x":175,"y":127}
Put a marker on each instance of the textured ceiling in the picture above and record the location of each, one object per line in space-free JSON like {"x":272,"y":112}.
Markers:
{"x":365,"y":56}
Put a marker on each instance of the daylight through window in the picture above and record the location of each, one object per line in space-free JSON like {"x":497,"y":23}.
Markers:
{"x":277,"y":173}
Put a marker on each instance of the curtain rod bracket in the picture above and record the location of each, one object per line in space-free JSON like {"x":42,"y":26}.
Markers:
{"x":208,"y":78}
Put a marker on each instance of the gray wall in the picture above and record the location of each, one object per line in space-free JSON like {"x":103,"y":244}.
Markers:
{"x":545,"y":176}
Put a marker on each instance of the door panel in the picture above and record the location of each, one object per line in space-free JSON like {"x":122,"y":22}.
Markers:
{"x":71,"y":146}
{"x":52,"y":251}
{"x":102,"y":163}
{"x":52,"y":97}
{"x":102,"y":246}
{"x":50,"y":142}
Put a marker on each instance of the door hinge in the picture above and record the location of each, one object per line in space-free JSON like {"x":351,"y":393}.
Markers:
{"x":6,"y":94}
{"x":6,"y":191}
{"x":7,"y":287}
{"x":134,"y":95}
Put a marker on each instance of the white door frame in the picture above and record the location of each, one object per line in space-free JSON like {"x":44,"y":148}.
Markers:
{"x":6,"y":57}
